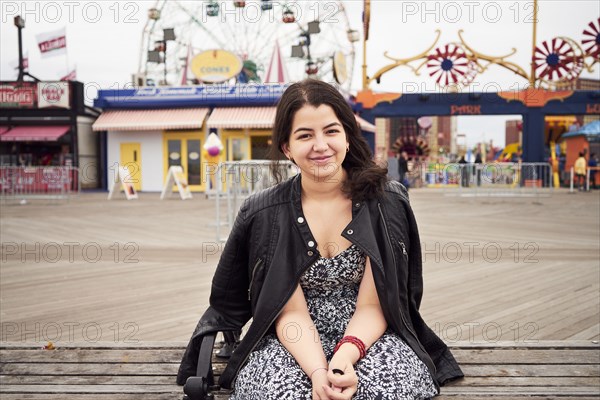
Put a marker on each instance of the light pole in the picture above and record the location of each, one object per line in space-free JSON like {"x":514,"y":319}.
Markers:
{"x":20,"y":24}
{"x":532,"y":77}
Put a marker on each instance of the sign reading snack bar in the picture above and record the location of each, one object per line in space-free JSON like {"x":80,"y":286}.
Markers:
{"x":175,"y":176}
{"x":124,"y":178}
{"x":53,"y":94}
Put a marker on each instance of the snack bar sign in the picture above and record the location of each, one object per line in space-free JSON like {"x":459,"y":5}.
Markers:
{"x":34,"y":95}
{"x":53,"y":94}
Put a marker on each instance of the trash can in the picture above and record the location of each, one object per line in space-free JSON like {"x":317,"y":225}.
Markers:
{"x":431,"y":178}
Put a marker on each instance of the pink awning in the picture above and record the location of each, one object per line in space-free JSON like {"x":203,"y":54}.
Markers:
{"x":4,"y":129}
{"x":150,"y":120}
{"x":364,"y":124}
{"x":242,"y":117}
{"x":34,"y":133}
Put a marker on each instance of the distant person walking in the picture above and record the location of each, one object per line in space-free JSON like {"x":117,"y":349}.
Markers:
{"x":580,"y":171}
{"x":403,"y":168}
{"x":562,"y":159}
{"x":477,"y":168}
{"x":593,"y":164}
{"x":464,"y":173}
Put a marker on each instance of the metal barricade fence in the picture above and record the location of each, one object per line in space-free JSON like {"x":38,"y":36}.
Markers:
{"x":493,"y":179}
{"x":590,"y":179}
{"x":485,"y":179}
{"x":237,"y":180}
{"x":19,"y":184}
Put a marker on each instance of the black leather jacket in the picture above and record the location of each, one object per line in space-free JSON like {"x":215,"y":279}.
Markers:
{"x":270,"y":247}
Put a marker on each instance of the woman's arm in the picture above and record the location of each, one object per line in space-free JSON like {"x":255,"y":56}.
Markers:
{"x":298,"y":334}
{"x":368,"y":324}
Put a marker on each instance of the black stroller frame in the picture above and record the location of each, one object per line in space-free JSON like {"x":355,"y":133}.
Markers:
{"x":202,"y":386}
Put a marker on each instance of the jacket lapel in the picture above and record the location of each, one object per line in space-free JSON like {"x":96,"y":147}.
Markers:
{"x":361,"y":232}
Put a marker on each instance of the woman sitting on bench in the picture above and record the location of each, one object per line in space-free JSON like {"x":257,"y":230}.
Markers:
{"x":328,"y":265}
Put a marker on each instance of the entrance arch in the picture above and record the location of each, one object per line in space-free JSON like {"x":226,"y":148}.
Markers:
{"x":532,"y":104}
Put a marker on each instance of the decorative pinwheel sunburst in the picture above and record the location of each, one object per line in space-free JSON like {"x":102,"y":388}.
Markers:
{"x":414,"y":146}
{"x":591,"y":41}
{"x":449,"y":65}
{"x":556,"y":60}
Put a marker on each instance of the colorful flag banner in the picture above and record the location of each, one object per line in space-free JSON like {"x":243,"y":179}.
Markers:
{"x":52,"y":43}
{"x":15,"y":63}
{"x":70,"y":76}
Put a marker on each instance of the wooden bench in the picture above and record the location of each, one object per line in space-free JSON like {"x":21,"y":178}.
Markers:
{"x":548,"y":370}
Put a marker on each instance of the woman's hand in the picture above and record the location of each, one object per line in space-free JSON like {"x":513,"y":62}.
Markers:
{"x":343,"y":386}
{"x":319,"y":382}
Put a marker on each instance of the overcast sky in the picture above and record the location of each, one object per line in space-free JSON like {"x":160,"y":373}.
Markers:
{"x":104,"y":41}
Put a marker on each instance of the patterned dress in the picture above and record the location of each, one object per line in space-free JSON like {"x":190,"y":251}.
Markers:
{"x":390,"y":370}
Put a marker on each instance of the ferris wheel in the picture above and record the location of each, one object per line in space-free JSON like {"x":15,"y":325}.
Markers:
{"x":302,"y":38}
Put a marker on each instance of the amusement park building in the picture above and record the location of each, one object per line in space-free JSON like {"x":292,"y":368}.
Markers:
{"x":151,"y":129}
{"x":556,"y":126}
{"x":46,"y":124}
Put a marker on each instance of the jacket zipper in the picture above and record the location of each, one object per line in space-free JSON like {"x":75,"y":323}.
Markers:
{"x":389,"y":239}
{"x":404,"y":250}
{"x":262,"y":333}
{"x":256,"y":267}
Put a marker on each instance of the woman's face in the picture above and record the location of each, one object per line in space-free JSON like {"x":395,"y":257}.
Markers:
{"x":317,"y":143}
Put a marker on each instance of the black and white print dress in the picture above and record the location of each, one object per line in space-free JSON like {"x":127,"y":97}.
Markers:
{"x":390,"y":370}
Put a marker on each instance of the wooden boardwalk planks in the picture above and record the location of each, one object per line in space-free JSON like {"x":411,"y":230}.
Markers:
{"x":158,"y":286}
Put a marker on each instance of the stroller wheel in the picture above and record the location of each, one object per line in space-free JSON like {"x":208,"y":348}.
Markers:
{"x":196,"y":388}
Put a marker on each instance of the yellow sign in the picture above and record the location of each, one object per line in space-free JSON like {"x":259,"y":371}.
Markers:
{"x":340,"y":69}
{"x":216,"y":66}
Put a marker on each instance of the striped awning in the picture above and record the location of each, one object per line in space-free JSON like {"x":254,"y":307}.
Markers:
{"x":150,"y":120}
{"x":364,"y":124}
{"x":34,"y":133}
{"x":242,"y":117}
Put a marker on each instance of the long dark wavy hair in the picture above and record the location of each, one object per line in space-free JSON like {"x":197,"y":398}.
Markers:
{"x":365,"y":178}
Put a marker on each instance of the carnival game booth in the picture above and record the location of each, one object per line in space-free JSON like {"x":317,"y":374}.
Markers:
{"x":46,"y":138}
{"x":151,"y":129}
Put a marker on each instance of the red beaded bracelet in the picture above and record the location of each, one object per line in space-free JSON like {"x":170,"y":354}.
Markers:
{"x":355,"y":341}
